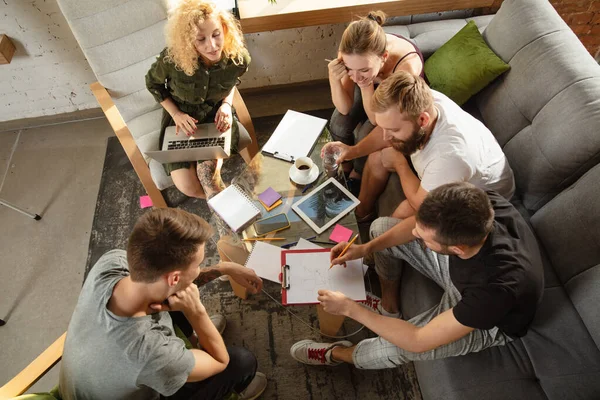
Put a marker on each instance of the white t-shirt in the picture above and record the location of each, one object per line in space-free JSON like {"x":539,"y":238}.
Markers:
{"x":462,"y":149}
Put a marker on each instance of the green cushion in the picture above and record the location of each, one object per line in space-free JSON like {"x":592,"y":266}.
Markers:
{"x":52,"y":395}
{"x":36,"y":396}
{"x":463,"y":65}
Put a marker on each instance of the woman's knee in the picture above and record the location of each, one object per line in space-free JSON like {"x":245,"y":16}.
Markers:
{"x":342,"y":127}
{"x":187,"y":182}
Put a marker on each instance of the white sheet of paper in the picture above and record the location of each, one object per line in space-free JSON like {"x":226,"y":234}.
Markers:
{"x":265,"y":260}
{"x":304,"y":244}
{"x":310,"y":272}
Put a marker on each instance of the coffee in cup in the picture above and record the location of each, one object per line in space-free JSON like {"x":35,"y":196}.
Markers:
{"x":303,"y":166}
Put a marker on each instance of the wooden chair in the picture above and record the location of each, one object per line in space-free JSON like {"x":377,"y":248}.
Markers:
{"x":120,"y":41}
{"x":35,"y":370}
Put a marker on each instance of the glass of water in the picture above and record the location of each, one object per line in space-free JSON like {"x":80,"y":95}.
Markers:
{"x":330,"y":157}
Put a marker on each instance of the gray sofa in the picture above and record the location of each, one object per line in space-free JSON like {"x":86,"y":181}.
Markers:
{"x":545,"y":113}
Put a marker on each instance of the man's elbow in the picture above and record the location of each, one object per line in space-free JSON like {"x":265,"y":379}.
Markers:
{"x":223,"y":366}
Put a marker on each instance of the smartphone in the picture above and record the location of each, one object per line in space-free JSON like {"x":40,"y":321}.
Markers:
{"x":271,"y":224}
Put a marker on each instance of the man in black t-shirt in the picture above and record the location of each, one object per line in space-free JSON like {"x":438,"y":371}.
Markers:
{"x":478,"y":248}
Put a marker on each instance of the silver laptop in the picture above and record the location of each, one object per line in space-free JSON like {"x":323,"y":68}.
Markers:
{"x":206,"y":144}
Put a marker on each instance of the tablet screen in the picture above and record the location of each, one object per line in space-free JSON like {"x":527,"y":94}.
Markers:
{"x":325,"y":204}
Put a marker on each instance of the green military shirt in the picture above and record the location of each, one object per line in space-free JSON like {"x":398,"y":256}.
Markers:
{"x":197,"y":95}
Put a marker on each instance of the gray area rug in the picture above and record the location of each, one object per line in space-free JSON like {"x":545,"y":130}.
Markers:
{"x":259,"y":324}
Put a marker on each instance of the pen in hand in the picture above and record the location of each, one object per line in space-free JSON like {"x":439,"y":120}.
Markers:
{"x":345,"y":248}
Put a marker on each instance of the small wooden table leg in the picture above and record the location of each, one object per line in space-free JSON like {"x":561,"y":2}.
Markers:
{"x":234,"y":253}
{"x":329,"y":324}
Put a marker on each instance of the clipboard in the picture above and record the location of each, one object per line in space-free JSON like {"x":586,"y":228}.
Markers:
{"x":295,"y":136}
{"x":285,"y":276}
{"x":317,"y":275}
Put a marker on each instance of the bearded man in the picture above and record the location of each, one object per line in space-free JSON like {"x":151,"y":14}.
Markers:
{"x":444,"y":143}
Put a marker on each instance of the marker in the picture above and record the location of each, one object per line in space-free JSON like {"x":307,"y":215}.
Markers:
{"x":307,"y":187}
{"x":288,"y":245}
{"x":257,"y":239}
{"x":316,"y":241}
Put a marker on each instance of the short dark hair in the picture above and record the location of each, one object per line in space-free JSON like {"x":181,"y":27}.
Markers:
{"x":164,"y":240}
{"x":459,"y":213}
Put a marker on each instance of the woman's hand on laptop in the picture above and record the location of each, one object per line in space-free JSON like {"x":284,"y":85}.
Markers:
{"x":224,"y":117}
{"x":185,"y":123}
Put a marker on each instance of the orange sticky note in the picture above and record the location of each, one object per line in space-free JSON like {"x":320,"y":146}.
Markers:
{"x":276,"y":204}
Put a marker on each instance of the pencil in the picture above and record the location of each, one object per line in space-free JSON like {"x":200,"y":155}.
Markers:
{"x":250,"y":239}
{"x":345,"y":248}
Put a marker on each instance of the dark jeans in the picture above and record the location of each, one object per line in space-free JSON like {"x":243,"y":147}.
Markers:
{"x":237,"y":376}
{"x":342,"y":127}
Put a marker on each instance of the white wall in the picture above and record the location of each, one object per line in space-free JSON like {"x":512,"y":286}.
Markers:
{"x":48,"y":74}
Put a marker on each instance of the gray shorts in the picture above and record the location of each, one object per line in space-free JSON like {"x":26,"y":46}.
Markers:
{"x":378,"y":353}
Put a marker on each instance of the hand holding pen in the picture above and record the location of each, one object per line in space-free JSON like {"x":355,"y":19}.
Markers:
{"x":344,"y":251}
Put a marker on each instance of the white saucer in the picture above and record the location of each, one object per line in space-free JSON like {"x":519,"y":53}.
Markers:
{"x":312,"y":175}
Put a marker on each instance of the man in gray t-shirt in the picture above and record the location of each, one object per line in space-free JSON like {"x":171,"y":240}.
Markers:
{"x":121,"y":342}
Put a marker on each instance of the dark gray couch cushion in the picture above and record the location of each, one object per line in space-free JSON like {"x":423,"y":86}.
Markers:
{"x":430,"y":36}
{"x":584,"y":293}
{"x":496,"y":373}
{"x":557,"y":359}
{"x":565,"y":358}
{"x":569,"y":226}
{"x":547,"y":98}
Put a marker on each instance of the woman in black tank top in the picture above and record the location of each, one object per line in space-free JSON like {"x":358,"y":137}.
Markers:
{"x":367,"y":56}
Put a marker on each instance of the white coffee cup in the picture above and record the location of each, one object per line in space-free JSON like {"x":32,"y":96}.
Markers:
{"x":302,"y":167}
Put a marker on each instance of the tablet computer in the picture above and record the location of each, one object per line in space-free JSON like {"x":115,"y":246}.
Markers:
{"x":325,"y":205}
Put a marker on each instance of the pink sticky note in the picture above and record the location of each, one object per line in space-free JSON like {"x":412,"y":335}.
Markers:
{"x":145,"y":202}
{"x":340,"y":234}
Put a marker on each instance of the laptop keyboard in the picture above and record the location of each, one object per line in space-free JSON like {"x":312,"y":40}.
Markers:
{"x":195,"y":143}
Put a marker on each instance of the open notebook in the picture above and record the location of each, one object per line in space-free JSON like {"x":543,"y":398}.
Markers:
{"x":234,"y":207}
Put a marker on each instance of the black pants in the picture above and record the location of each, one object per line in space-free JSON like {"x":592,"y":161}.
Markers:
{"x":237,"y":376}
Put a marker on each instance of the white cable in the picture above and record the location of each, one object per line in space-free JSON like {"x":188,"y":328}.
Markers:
{"x":310,"y":326}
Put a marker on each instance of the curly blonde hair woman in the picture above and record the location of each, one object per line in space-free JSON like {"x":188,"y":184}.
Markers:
{"x":182,"y":26}
{"x":194,"y":79}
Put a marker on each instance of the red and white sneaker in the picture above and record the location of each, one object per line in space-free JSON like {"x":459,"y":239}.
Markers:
{"x":314,"y":353}
{"x":373,"y":303}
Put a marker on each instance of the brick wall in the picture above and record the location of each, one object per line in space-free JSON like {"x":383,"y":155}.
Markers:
{"x":583,"y":16}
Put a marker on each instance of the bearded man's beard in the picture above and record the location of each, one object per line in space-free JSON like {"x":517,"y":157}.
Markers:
{"x":410,"y":146}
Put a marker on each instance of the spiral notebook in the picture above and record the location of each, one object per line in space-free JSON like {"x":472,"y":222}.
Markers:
{"x":234,"y":207}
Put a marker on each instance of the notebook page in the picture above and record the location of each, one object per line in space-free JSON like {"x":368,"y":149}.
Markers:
{"x":234,"y":207}
{"x":265,"y":260}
